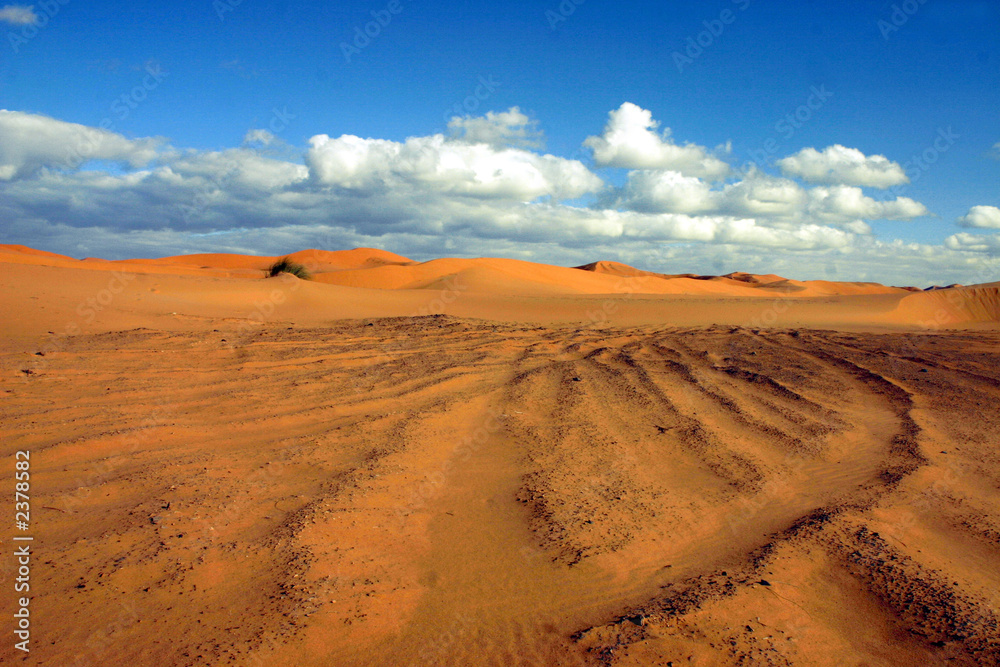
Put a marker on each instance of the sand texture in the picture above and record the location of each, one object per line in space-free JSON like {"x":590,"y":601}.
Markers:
{"x":494,"y":462}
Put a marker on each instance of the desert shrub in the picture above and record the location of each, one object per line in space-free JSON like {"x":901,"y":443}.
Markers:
{"x":286,"y":265}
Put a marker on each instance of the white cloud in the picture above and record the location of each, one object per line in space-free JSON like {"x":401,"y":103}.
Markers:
{"x":743,"y":231}
{"x":757,"y":195}
{"x":771,"y":200}
{"x":761,"y":195}
{"x":630,"y":141}
{"x":839,"y":165}
{"x":18,"y":14}
{"x":980,"y":243}
{"x":842,"y":203}
{"x":437,"y":164}
{"x":981,"y":216}
{"x":652,"y":191}
{"x":996,"y":151}
{"x":435,"y":196}
{"x":236,"y":167}
{"x":503,"y":129}
{"x":30,"y":143}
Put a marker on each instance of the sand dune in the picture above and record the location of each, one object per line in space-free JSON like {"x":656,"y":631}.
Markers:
{"x":210,"y":264}
{"x":765,"y":284}
{"x":952,"y":306}
{"x":508,"y":276}
{"x":368,"y":282}
{"x":318,"y":260}
{"x":492,"y":462}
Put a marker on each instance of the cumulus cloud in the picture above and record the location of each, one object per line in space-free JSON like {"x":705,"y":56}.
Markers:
{"x":996,"y":151}
{"x":18,"y":14}
{"x":981,"y":216}
{"x":979,"y":243}
{"x":504,"y":129}
{"x":630,"y":141}
{"x":730,"y":230}
{"x":437,"y":164}
{"x":771,"y":200}
{"x":434,"y":195}
{"x":235,"y":167}
{"x":759,"y":194}
{"x":842,"y":203}
{"x":839,"y":165}
{"x":652,"y":191}
{"x":30,"y":143}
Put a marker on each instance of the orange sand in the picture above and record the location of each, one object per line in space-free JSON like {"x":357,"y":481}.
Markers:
{"x":495,"y":462}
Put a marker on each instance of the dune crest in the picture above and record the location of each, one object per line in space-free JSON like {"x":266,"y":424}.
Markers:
{"x":363,"y":282}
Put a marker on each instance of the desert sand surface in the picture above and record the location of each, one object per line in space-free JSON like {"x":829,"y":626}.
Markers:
{"x":497,"y":462}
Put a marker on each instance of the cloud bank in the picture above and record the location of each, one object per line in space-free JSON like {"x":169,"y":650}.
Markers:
{"x":30,"y":143}
{"x":483,"y":188}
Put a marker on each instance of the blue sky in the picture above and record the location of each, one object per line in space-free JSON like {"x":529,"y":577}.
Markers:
{"x":177,"y":87}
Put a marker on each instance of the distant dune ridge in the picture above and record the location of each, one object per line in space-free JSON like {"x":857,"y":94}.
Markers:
{"x":497,"y":288}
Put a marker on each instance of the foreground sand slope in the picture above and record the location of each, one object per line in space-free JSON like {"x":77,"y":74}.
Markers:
{"x":436,"y":491}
